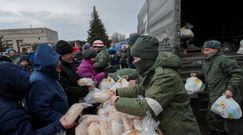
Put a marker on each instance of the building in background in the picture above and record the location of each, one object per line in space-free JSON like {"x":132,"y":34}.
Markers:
{"x":21,"y":39}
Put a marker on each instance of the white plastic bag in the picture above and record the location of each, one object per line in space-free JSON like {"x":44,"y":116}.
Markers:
{"x":106,"y":83}
{"x":186,"y":33}
{"x":147,"y":126}
{"x":89,"y":97}
{"x":102,"y":96}
{"x":121,"y":83}
{"x":193,"y":84}
{"x":227,"y":108}
{"x":85,"y":82}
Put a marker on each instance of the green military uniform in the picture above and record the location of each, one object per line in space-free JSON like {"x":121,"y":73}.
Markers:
{"x":102,"y":60}
{"x":129,"y":72}
{"x":164,"y":96}
{"x":220,"y":73}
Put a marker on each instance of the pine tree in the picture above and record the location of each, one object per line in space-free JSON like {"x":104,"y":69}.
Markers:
{"x":2,"y":46}
{"x":97,"y":30}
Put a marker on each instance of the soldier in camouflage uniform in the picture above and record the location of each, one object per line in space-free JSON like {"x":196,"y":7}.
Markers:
{"x":161,"y":92}
{"x":222,"y":76}
{"x":102,"y":62}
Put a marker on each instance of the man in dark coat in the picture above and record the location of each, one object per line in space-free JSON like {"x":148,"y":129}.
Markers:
{"x":68,"y":77}
{"x":14,"y":120}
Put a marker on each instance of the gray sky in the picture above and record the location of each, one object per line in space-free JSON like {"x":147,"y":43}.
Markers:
{"x":70,"y":18}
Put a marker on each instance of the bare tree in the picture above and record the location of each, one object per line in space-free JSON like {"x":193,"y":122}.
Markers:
{"x":117,"y":37}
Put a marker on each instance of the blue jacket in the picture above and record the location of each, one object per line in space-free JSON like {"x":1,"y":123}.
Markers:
{"x":46,"y":101}
{"x":14,"y":120}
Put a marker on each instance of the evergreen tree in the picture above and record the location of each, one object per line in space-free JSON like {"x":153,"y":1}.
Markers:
{"x":2,"y":46}
{"x":97,"y":30}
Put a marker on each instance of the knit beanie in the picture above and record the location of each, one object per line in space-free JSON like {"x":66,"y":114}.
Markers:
{"x":98,"y":43}
{"x":62,"y":47}
{"x":89,"y":53}
{"x":145,"y":47}
{"x":23,"y":57}
{"x":85,"y":46}
{"x":212,"y":44}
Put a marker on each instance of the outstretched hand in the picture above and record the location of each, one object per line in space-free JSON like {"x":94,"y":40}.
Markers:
{"x":65,"y":124}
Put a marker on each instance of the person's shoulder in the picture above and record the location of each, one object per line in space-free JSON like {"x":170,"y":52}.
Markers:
{"x":37,"y":76}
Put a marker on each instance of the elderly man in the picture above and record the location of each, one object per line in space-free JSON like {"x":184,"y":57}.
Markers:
{"x":223,"y":76}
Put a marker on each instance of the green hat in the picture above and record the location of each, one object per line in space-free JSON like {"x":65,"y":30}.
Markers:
{"x":212,"y":44}
{"x":145,"y":47}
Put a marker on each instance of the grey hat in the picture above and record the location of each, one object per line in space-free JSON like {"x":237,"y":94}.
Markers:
{"x":85,"y":46}
{"x":212,"y":44}
{"x":89,"y":53}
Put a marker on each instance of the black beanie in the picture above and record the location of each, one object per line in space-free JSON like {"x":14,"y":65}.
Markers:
{"x":89,"y":53}
{"x":63,"y":47}
{"x":145,"y":47}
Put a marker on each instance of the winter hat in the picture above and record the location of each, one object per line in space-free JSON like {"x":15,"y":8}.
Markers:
{"x":85,"y":46}
{"x":5,"y":58}
{"x":89,"y":53}
{"x":62,"y":47}
{"x":98,"y":43}
{"x":23,"y":57}
{"x":145,"y":47}
{"x":212,"y":44}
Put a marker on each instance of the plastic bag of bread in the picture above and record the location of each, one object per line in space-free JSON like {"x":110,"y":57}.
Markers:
{"x":149,"y":125}
{"x":106,"y":83}
{"x":94,"y":129}
{"x":102,"y":96}
{"x":89,"y":97}
{"x":85,"y":121}
{"x":85,"y":82}
{"x":73,"y":112}
{"x":121,"y":83}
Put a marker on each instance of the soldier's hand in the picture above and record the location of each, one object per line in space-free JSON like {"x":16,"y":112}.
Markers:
{"x":228,"y":94}
{"x":132,"y":83}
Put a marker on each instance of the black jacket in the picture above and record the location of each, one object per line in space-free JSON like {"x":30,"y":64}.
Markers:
{"x":68,"y":80}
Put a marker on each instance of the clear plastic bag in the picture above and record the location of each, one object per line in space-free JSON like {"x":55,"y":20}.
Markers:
{"x":73,"y":113}
{"x":121,"y":83}
{"x":227,"y":108}
{"x":102,"y":96}
{"x":149,"y":125}
{"x":89,"y":98}
{"x":106,"y":83}
{"x":85,"y":82}
{"x":193,"y":85}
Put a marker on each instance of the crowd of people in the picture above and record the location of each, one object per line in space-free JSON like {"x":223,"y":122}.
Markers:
{"x":37,"y":91}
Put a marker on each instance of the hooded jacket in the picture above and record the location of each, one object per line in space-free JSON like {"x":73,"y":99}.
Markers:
{"x":14,"y":120}
{"x":46,"y":101}
{"x":161,"y":93}
{"x":86,"y":69}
